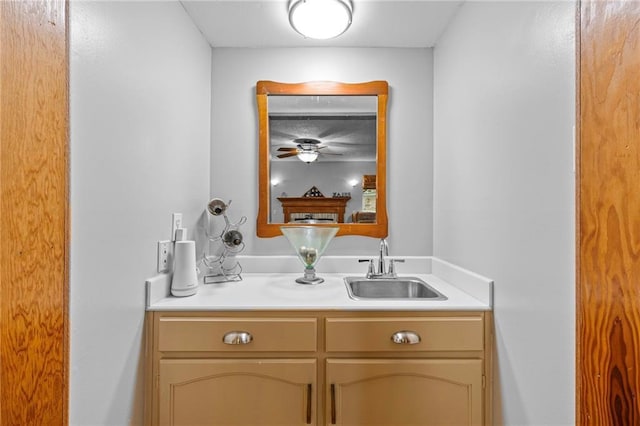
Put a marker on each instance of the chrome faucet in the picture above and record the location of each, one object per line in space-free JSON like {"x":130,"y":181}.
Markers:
{"x":384,"y":251}
{"x":382,"y":271}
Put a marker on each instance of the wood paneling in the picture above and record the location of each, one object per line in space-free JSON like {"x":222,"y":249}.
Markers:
{"x":33,"y":212}
{"x":608,"y":291}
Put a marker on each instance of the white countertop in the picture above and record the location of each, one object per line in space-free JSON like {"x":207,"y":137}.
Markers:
{"x":279,"y":291}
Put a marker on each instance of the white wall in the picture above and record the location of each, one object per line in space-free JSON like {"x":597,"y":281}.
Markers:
{"x":142,"y":100}
{"x":504,"y":190}
{"x":140,"y":142}
{"x":235,"y":134}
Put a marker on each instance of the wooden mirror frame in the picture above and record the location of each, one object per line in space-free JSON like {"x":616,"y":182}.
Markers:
{"x":320,"y":88}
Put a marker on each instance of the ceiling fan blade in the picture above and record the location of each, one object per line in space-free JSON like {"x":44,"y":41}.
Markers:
{"x":288,"y":154}
{"x":330,"y":153}
{"x":287,"y":149}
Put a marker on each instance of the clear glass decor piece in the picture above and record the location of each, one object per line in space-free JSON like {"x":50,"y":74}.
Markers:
{"x":309,"y":243}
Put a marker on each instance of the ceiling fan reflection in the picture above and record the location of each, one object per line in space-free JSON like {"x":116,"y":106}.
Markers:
{"x":306,"y":149}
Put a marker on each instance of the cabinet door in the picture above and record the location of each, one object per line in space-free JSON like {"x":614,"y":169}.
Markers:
{"x":221,"y":392}
{"x":393,"y":392}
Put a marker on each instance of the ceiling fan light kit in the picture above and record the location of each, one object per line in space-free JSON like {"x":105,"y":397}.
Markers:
{"x":320,"y":19}
{"x":307,"y":150}
{"x":308,"y":156}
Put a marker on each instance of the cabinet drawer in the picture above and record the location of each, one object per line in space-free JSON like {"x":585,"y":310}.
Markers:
{"x":375,"y":334}
{"x":266,"y":334}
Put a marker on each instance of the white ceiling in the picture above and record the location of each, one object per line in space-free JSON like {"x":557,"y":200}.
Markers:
{"x":376,"y":23}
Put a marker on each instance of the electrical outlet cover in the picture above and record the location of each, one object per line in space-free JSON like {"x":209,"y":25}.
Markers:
{"x":164,"y":255}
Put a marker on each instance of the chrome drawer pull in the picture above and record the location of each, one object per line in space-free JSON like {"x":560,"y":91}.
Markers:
{"x":405,"y":337}
{"x":237,"y":338}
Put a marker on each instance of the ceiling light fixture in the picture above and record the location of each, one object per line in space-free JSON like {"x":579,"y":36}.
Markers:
{"x":308,"y":156}
{"x":320,"y":19}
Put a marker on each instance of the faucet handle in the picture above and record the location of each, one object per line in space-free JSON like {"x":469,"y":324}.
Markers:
{"x":371,"y":271}
{"x":392,"y":269}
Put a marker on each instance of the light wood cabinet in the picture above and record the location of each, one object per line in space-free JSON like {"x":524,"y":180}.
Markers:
{"x":206,"y":334}
{"x":392,"y":392}
{"x":237,"y":392}
{"x":318,"y":368}
{"x":438,"y":333}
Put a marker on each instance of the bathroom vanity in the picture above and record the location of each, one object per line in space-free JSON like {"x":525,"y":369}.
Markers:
{"x":268,"y":351}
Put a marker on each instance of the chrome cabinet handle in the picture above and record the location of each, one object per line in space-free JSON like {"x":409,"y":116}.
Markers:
{"x":333,"y":404}
{"x":309,"y":395}
{"x":237,"y":338}
{"x":406,"y":337}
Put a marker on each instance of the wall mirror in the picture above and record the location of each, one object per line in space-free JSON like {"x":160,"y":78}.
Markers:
{"x":322,"y":156}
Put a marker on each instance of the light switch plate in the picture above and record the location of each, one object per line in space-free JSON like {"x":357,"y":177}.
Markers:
{"x":176,"y":222}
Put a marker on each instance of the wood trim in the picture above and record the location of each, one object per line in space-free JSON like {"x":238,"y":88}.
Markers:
{"x":149,"y":374}
{"x":266,"y":87}
{"x":608,"y":266}
{"x":34,"y":213}
{"x":489,"y":348}
{"x":578,"y":325}
{"x":380,"y":229}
